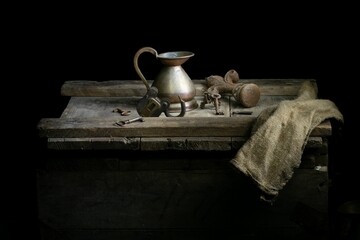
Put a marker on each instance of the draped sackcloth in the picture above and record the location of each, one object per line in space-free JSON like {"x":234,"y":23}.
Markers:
{"x":279,"y":136}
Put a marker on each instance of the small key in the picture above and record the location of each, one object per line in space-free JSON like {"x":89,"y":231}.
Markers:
{"x":121,"y":123}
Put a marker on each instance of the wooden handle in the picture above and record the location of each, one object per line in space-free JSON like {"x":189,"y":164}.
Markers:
{"x":247,"y":94}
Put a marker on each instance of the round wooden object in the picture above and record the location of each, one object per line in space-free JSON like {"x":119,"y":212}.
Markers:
{"x":247,"y":94}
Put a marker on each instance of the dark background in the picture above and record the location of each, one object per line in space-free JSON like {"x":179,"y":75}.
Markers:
{"x":297,"y":43}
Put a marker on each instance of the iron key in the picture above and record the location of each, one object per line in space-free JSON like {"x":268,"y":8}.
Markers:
{"x":122,"y":123}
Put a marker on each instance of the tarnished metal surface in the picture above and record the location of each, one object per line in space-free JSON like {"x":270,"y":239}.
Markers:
{"x":152,"y":106}
{"x":172,"y":81}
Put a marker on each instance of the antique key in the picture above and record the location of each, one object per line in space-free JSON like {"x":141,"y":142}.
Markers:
{"x":122,"y":123}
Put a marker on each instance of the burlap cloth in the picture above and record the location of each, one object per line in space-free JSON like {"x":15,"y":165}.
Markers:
{"x":279,"y":136}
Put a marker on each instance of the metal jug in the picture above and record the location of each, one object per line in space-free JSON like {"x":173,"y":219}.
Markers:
{"x":172,"y":82}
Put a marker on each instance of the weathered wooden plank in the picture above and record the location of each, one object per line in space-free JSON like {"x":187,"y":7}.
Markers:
{"x":110,"y":88}
{"x":186,"y":143}
{"x":156,"y":127}
{"x":115,"y":88}
{"x":130,"y":88}
{"x":155,"y":144}
{"x":315,"y":142}
{"x":322,"y":130}
{"x":103,"y":107}
{"x":144,"y":144}
{"x":109,"y":143}
{"x":100,"y":107}
{"x":151,"y":127}
{"x":264,"y":102}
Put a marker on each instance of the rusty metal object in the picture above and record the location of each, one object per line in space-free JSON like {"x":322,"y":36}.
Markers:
{"x":152,"y":106}
{"x":122,"y":123}
{"x":212,"y":98}
{"x":247,"y":94}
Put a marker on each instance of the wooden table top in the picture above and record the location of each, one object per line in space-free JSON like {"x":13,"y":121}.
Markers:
{"x":88,"y":120}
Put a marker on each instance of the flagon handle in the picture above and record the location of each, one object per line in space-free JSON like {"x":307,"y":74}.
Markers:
{"x":136,"y":65}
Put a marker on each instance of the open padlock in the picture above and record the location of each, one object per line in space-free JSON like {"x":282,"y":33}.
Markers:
{"x":152,"y":106}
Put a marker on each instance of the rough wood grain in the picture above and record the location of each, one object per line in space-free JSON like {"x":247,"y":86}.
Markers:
{"x":102,"y":107}
{"x":265,"y":101}
{"x":156,"y":127}
{"x":88,"y":121}
{"x":130,"y":88}
{"x":101,"y":143}
{"x":159,"y":143}
{"x":151,"y":127}
{"x":186,"y":143}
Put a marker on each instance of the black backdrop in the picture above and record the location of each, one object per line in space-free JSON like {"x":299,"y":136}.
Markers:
{"x":288,"y":44}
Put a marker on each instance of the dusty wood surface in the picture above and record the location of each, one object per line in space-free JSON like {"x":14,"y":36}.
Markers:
{"x":151,"y":127}
{"x":158,"y":143}
{"x":155,"y":127}
{"x":186,"y":143}
{"x":89,"y":118}
{"x":102,"y":107}
{"x":130,"y":88}
{"x":100,"y":143}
